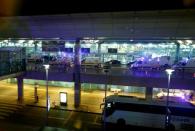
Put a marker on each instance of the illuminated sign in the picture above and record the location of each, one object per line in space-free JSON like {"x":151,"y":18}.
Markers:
{"x":63,"y":98}
{"x":52,"y":46}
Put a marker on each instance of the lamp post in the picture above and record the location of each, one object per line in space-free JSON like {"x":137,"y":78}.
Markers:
{"x":106,"y":85}
{"x":47,"y":103}
{"x":167,"y":119}
{"x":35,"y":92}
{"x":106,"y":70}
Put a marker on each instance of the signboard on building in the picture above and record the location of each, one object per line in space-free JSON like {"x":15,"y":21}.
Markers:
{"x":112,"y":50}
{"x":68,"y":50}
{"x":85,"y":50}
{"x":52,"y":46}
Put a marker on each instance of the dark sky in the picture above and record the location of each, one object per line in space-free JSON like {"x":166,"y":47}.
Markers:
{"x":44,"y":7}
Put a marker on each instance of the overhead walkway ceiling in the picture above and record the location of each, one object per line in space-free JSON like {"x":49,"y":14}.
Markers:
{"x":74,"y":6}
{"x":170,"y":24}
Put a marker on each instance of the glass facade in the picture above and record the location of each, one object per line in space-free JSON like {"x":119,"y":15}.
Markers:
{"x":12,"y":60}
{"x":175,"y":95}
{"x":115,"y":89}
{"x":126,"y":50}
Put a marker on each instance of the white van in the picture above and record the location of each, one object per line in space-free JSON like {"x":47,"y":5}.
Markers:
{"x":91,"y":61}
{"x":154,"y":63}
{"x":190,"y":63}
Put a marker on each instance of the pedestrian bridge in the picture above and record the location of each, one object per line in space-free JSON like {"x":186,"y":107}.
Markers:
{"x":123,"y":76}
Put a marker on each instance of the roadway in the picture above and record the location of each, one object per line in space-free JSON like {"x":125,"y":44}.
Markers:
{"x":34,"y":119}
{"x":70,"y":120}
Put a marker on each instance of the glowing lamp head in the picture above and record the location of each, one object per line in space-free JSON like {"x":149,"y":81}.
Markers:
{"x":46,"y":67}
{"x":169,"y":71}
{"x":158,"y":59}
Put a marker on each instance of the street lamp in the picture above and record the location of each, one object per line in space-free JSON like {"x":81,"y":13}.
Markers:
{"x":106,"y":70}
{"x":167,"y":119}
{"x":47,"y":102}
{"x":106,"y":85}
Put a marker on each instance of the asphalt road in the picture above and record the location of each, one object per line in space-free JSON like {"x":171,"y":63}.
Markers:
{"x":35,"y":117}
{"x":71,"y":120}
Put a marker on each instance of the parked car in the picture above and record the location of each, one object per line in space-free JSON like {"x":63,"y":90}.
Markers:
{"x":185,"y":65}
{"x":113,"y":63}
{"x":130,"y":63}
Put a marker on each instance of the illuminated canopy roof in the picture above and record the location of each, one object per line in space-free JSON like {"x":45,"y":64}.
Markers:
{"x":170,"y":24}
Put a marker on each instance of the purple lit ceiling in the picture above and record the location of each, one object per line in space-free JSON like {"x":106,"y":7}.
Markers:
{"x":133,"y":25}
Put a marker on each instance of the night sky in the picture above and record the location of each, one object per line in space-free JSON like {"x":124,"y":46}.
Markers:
{"x":46,"y":7}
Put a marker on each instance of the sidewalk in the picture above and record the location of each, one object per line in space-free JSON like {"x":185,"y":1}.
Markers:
{"x":69,"y":107}
{"x":42,"y":103}
{"x":8,"y":126}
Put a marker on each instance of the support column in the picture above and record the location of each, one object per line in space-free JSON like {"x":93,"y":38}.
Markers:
{"x":177,"y":52}
{"x":99,"y":52}
{"x":20,"y":89}
{"x":99,"y":49}
{"x":77,"y":66}
{"x":35,"y":48}
{"x":149,"y":93}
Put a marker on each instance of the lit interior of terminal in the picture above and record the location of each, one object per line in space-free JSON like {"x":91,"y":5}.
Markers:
{"x":125,"y":50}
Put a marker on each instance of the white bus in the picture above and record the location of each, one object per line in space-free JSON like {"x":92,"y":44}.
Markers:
{"x":125,"y":110}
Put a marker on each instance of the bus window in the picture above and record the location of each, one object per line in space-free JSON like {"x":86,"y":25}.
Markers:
{"x":109,"y":109}
{"x":108,"y":105}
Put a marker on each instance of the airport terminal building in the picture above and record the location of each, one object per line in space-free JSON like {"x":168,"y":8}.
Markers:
{"x":121,"y":53}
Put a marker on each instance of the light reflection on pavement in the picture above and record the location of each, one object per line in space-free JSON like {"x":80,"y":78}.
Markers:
{"x":90,"y":100}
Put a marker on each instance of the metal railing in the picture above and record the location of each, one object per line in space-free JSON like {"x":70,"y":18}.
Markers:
{"x":184,"y":72}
